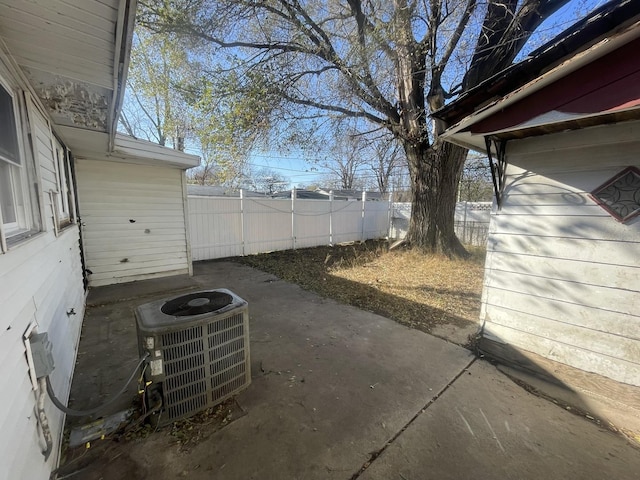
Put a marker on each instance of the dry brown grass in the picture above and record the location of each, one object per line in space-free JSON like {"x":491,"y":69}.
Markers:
{"x":417,"y":290}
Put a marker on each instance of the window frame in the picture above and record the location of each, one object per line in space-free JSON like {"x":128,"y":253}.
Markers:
{"x":64,"y":199}
{"x":9,"y":227}
{"x":20,"y":174}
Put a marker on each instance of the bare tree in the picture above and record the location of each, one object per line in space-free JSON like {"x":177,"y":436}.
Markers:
{"x":389,"y":63}
{"x":387,"y":160}
{"x":345,"y":161}
{"x":267,"y":180}
{"x":475,"y":184}
{"x":154,"y":108}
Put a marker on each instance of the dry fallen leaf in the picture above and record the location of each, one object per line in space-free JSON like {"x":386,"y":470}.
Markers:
{"x":412,"y":288}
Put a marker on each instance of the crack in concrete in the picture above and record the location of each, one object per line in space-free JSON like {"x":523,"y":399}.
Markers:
{"x":374,"y":455}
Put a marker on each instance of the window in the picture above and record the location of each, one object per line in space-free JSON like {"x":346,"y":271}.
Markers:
{"x":15,"y":209}
{"x":8,"y":132}
{"x":63,"y":201}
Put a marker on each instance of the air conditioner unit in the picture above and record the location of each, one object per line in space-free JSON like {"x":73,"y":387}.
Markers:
{"x":198,"y":351}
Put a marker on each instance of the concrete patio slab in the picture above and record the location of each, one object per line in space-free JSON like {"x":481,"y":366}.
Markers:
{"x":331,"y":383}
{"x":485,"y":426}
{"x":338,"y":393}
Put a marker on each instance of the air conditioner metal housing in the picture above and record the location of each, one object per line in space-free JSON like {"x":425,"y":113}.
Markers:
{"x":198,"y":351}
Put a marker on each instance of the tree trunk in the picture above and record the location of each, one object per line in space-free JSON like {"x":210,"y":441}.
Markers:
{"x":435,"y":174}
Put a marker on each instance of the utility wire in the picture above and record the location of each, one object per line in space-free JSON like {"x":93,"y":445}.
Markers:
{"x":85,"y":413}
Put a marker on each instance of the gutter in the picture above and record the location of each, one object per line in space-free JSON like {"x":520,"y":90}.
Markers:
{"x":124,"y":39}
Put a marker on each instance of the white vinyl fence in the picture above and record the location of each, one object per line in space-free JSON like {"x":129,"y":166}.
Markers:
{"x":471,"y":221}
{"x":223,"y":227}
{"x":230,"y":226}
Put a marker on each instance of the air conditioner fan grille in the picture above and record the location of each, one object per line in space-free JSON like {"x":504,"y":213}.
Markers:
{"x":197,"y":303}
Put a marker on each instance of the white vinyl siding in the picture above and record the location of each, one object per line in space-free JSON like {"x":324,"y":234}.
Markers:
{"x":133,"y":221}
{"x":53,"y":160}
{"x":40,"y":281}
{"x":45,"y":156}
{"x":562,"y":274}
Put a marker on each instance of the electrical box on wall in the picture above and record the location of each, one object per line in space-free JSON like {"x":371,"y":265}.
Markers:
{"x":42,"y":354}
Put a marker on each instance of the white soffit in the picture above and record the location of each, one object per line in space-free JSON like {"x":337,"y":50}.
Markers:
{"x":71,"y":52}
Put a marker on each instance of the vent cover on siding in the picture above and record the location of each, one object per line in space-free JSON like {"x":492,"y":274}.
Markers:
{"x":620,"y":195}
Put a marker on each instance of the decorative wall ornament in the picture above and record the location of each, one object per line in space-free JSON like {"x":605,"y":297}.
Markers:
{"x":620,"y":196}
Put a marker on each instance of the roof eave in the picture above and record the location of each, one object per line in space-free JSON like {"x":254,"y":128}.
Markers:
{"x":458,"y":134}
{"x":607,"y":21}
{"x":124,"y":40}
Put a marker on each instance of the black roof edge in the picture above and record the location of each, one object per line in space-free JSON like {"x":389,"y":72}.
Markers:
{"x":611,"y":16}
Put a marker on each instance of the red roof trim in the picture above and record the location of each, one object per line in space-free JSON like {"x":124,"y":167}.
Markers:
{"x":608,"y":84}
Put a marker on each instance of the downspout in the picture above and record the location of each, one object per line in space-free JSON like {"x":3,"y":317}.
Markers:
{"x":187,"y":223}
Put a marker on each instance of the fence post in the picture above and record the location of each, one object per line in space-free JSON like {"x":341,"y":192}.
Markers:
{"x":364,"y":202}
{"x":331,"y":218}
{"x":242,"y":221}
{"x":464,"y":223}
{"x":390,"y":216}
{"x":293,"y":217}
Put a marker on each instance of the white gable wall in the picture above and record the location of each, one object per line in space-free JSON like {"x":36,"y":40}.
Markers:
{"x":40,"y":281}
{"x":133,"y":219}
{"x":562,"y":275}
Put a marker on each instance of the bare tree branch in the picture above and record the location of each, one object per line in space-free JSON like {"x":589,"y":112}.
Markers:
{"x":457,"y":34}
{"x":335,"y":109}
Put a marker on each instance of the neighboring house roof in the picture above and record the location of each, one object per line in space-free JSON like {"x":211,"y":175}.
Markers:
{"x":218,"y":191}
{"x":207,"y":191}
{"x":351,"y":194}
{"x":75,"y":55}
{"x":303,"y":194}
{"x":587,"y":75}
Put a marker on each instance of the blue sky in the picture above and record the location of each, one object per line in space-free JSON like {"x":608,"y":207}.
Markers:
{"x":299,"y":171}
{"x":292,"y":166}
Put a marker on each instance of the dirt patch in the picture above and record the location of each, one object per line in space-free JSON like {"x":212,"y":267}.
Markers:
{"x":428,"y":292}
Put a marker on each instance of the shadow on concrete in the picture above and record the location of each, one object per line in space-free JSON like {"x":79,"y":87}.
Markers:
{"x":605,"y":402}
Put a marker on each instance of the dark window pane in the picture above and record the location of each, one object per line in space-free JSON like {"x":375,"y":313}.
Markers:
{"x":8,"y":133}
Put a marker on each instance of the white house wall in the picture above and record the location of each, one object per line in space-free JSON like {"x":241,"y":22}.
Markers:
{"x":133,"y":219}
{"x":562,"y":274}
{"x":40,"y":282}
